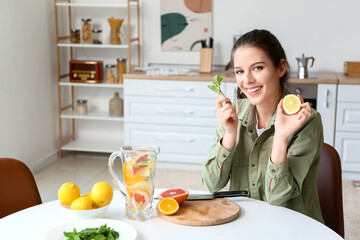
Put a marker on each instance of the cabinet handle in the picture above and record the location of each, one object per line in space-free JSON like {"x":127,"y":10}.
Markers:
{"x":326,"y":98}
{"x":174,"y":89}
{"x":168,"y":139}
{"x":165,"y":111}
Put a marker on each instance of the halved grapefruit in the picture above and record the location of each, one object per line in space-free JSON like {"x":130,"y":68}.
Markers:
{"x":179,"y":194}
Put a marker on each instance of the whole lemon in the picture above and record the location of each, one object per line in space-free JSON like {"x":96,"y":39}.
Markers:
{"x":68,"y":192}
{"x":101,"y":194}
{"x":82,"y":203}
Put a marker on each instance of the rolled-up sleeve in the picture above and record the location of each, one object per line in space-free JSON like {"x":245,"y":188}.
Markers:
{"x":303,"y":154}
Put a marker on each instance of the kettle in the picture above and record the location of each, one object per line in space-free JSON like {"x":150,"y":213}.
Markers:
{"x":302,"y":64}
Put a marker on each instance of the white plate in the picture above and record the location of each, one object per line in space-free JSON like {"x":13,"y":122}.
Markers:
{"x":126,"y":231}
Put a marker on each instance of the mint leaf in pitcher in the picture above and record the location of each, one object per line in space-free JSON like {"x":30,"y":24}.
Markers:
{"x":215,"y":87}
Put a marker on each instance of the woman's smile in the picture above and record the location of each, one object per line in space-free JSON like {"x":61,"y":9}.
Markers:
{"x":253,"y":90}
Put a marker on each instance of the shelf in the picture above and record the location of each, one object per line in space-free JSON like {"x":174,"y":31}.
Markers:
{"x":92,"y":115}
{"x":81,"y":45}
{"x":97,"y":85}
{"x":119,"y":5}
{"x":92,"y":146}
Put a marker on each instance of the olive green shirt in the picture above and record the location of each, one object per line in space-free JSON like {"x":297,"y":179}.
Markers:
{"x":248,"y":167}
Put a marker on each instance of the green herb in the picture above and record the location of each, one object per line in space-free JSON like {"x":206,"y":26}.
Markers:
{"x":216,"y":85}
{"x":100,"y":233}
{"x":141,"y":164}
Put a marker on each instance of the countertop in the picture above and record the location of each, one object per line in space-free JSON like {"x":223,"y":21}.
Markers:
{"x":322,"y":77}
{"x":344,"y":79}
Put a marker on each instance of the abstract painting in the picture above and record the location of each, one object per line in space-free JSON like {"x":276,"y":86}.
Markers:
{"x":185,"y":23}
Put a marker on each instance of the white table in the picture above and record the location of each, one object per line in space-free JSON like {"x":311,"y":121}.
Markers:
{"x":258,"y":220}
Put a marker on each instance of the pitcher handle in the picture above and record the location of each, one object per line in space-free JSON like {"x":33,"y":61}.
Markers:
{"x":313,"y":60}
{"x":115,"y":178}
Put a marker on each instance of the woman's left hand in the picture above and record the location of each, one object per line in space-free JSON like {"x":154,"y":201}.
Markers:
{"x":285,"y":125}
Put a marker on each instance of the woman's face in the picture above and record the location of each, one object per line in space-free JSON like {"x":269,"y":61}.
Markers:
{"x":257,"y":77}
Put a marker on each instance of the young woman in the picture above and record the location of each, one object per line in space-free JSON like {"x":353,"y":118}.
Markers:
{"x":259,"y":148}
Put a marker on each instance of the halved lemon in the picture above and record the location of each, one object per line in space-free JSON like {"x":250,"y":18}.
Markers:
{"x":168,"y":206}
{"x":291,"y":104}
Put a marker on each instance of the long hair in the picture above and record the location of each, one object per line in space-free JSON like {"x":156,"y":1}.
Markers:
{"x":266,"y":41}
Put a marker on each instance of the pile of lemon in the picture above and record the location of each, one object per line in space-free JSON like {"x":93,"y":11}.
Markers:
{"x":101,"y":195}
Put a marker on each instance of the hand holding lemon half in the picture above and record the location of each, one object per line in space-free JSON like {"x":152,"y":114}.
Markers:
{"x":291,"y":104}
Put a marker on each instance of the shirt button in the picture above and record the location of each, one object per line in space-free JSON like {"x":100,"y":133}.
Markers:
{"x":245,"y":122}
{"x":224,"y":155}
{"x":253,"y":184}
{"x":273,"y":170}
{"x":253,"y":165}
{"x":250,"y":131}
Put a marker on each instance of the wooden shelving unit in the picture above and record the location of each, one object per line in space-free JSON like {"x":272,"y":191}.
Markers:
{"x":67,"y":112}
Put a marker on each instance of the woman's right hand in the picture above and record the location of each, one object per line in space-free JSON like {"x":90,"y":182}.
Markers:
{"x":226,"y":113}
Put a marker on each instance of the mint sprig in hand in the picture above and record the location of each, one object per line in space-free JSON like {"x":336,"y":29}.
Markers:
{"x":216,"y":85}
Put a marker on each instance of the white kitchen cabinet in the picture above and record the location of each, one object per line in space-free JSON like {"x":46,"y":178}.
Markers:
{"x":95,"y":131}
{"x":179,"y":116}
{"x":347,"y":136}
{"x":326,"y":106}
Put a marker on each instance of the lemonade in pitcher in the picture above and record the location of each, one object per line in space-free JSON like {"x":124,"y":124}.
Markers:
{"x":139,"y":173}
{"x":138,"y":169}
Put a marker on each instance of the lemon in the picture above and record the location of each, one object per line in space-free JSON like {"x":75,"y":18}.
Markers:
{"x":101,"y":194}
{"x":82,"y":203}
{"x":291,"y":104}
{"x":68,"y":192}
{"x":145,"y":186}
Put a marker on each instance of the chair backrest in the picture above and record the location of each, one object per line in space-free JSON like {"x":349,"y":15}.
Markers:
{"x":329,"y":184}
{"x":18,"y":187}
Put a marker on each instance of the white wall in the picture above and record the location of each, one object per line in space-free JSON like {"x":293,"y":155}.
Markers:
{"x":28,"y":94}
{"x":325,"y":29}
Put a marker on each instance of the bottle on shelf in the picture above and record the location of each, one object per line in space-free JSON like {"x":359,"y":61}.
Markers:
{"x":110,"y":73}
{"x":116,"y":106}
{"x":86,"y":30}
{"x":121,"y":69}
{"x":75,"y":35}
{"x":96,"y":36}
{"x":81,"y":107}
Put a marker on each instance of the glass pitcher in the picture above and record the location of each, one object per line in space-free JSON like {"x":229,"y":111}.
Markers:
{"x":137,"y":183}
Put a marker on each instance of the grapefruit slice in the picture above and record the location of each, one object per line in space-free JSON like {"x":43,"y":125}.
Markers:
{"x":141,"y":198}
{"x":140,"y":165}
{"x":179,"y":194}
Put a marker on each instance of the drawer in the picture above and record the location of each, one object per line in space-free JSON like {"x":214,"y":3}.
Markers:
{"x":163,"y":88}
{"x":349,"y":93}
{"x":177,"y":111}
{"x":174,"y":141}
{"x":347,"y":144}
{"x":348,"y":117}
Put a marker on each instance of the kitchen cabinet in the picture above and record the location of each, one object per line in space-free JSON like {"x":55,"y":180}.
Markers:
{"x":347,"y":135}
{"x":179,"y":116}
{"x":95,"y":131}
{"x":326,"y":106}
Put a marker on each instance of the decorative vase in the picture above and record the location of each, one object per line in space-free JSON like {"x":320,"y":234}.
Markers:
{"x":116,"y":106}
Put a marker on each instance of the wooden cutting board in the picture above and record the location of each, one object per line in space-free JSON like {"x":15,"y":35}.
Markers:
{"x":204,"y":212}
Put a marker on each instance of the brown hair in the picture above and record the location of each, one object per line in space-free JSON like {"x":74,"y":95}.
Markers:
{"x":266,"y":41}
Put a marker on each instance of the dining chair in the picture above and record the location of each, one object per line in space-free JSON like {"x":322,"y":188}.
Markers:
{"x":17,"y":186}
{"x":329,"y":184}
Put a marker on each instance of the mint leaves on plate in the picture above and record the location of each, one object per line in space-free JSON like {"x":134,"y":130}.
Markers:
{"x":100,"y":233}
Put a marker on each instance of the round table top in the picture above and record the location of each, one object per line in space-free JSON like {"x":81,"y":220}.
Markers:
{"x":258,"y":220}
